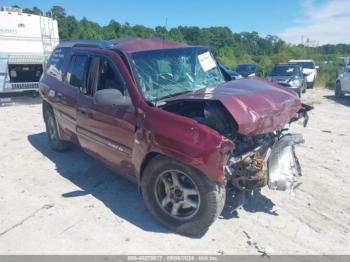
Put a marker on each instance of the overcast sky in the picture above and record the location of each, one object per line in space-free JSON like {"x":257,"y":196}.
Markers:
{"x":321,"y":21}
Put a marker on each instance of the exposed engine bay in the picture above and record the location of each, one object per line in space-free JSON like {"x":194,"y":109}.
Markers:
{"x":210,"y":113}
{"x":257,"y":161}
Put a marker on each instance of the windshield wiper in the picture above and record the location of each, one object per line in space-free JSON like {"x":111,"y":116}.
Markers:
{"x":156,"y":101}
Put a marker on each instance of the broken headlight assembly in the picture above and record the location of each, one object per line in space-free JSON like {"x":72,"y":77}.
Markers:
{"x":272,"y":162}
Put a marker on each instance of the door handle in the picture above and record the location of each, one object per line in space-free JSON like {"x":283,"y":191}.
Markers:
{"x":83,"y":110}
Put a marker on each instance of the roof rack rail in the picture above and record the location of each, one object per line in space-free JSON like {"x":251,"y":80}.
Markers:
{"x":86,"y":43}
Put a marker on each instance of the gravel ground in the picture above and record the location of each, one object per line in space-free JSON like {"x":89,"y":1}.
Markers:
{"x":69,"y":203}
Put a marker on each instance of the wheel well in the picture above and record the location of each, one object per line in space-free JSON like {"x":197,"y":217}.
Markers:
{"x":146,"y":161}
{"x":46,"y":106}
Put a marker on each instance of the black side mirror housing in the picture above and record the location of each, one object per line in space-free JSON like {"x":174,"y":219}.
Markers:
{"x":112,"y":97}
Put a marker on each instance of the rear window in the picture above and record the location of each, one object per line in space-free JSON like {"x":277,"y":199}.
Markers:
{"x":55,"y":63}
{"x":250,"y":68}
{"x":307,"y":65}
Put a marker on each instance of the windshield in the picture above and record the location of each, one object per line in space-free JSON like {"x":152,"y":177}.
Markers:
{"x":308,"y":65}
{"x":246,"y":68}
{"x":284,"y":70}
{"x":168,"y":72}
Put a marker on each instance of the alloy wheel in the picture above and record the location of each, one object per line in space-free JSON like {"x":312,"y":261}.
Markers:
{"x":177,"y":194}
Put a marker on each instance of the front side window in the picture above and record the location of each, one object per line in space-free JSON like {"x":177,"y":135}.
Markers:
{"x":168,"y":72}
{"x":77,"y":71}
{"x":109,"y":78}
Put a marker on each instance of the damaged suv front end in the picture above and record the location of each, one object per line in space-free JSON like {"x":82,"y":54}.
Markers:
{"x":253,"y":115}
{"x":233,"y":132}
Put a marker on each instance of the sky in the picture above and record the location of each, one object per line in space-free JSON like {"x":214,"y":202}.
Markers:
{"x":320,"y":21}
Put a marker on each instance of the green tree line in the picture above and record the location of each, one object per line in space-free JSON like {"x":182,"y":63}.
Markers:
{"x":229,"y":47}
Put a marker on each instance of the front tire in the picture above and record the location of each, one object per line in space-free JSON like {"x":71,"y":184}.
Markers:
{"x":52,"y":132}
{"x":311,"y":85}
{"x":338,"y":91}
{"x":180,"y":197}
{"x":304,"y":88}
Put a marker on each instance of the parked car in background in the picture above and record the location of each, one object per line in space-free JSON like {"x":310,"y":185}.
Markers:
{"x":232,"y":73}
{"x":247,"y":70}
{"x":162,"y":114}
{"x":289,"y":75}
{"x":309,"y":71}
{"x":343,"y":63}
{"x":342,"y":84}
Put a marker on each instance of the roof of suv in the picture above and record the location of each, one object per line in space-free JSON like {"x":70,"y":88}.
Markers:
{"x":301,"y":60}
{"x":287,"y":64}
{"x":139,"y":44}
{"x":127,"y":45}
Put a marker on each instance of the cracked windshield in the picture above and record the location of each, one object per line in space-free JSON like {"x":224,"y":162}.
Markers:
{"x":165,"y":73}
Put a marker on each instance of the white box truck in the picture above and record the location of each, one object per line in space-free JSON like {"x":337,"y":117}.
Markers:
{"x":26,"y":41}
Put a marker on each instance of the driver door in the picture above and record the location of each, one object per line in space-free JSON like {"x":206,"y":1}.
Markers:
{"x":106,"y":131}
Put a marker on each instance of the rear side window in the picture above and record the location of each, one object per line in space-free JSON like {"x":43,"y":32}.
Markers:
{"x":55,"y":63}
{"x":76,"y":74}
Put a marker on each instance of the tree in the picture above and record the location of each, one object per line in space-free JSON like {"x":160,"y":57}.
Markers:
{"x":69,"y":28}
{"x":226,"y":56}
{"x":161,"y":32}
{"x":230,"y":48}
{"x":89,"y":30}
{"x":265,"y":66}
{"x":34,"y":11}
{"x":175,"y":35}
{"x":58,"y":12}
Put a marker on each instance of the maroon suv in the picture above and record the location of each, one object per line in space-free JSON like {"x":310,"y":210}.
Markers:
{"x":164,"y":115}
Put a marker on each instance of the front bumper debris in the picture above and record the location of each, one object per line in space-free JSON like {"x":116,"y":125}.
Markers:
{"x":273,"y":163}
{"x":283,"y":164}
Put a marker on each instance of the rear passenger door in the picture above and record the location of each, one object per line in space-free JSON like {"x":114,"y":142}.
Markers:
{"x":74,"y":79}
{"x":60,"y":93}
{"x":106,"y":131}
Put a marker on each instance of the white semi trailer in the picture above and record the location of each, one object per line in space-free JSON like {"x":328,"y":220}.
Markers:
{"x":26,"y":41}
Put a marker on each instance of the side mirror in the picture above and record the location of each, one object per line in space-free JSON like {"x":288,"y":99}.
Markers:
{"x":111,"y":97}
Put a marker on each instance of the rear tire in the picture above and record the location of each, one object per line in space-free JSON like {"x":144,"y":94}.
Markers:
{"x":190,"y":212}
{"x":338,"y":91}
{"x":52,"y":132}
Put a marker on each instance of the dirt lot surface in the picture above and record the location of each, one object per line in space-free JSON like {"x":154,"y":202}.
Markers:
{"x":69,"y":203}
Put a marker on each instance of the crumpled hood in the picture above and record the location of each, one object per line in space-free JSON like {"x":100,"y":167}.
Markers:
{"x":258,"y":106}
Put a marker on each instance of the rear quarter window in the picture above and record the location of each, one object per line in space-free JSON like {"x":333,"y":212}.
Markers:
{"x":55,"y":63}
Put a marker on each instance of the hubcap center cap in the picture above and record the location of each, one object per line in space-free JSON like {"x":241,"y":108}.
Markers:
{"x":176,"y":194}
